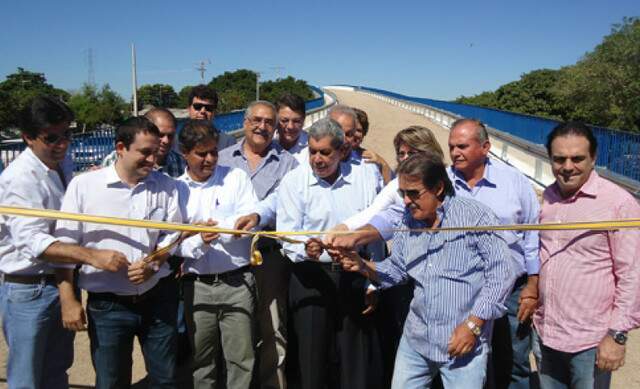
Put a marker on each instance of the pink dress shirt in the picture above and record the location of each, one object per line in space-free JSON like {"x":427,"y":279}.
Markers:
{"x":589,"y":280}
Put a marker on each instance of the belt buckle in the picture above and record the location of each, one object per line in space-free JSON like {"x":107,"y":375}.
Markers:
{"x":336,"y":267}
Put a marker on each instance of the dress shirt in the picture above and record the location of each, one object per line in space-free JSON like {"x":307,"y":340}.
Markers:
{"x":227,"y":194}
{"x":265,"y":179}
{"x":102,"y":192}
{"x":511,"y":197}
{"x":28,"y":182}
{"x":588,"y":279}
{"x":307,"y":202}
{"x":387,"y":197}
{"x":456,"y":274}
{"x":297,"y":149}
{"x":174,"y":163}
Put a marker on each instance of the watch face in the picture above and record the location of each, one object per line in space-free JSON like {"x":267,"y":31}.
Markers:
{"x":620,"y":338}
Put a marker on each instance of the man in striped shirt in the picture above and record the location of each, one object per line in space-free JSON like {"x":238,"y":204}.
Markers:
{"x":461,"y":279}
{"x":589,"y":294}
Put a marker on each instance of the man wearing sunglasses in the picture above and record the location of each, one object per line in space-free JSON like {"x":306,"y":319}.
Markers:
{"x":40,"y":349}
{"x":203,"y":102}
{"x":461,"y":279}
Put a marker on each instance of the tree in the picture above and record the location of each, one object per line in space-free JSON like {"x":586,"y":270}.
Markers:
{"x":93,"y":107}
{"x":157,"y":95}
{"x":183,"y":97}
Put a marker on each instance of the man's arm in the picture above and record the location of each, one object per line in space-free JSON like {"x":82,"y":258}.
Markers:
{"x":290,"y":215}
{"x":73,"y":315}
{"x":528,"y":300}
{"x":110,"y":260}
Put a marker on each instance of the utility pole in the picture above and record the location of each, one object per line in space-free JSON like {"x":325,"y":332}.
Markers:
{"x":91,"y":77}
{"x":201,"y":67}
{"x":258,"y":74}
{"x":278,"y":70}
{"x":134,"y":80}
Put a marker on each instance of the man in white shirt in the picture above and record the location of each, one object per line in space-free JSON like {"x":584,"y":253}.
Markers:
{"x":141,"y":300}
{"x":40,"y":349}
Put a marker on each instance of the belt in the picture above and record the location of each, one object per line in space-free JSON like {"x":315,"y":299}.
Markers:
{"x":267,"y":246}
{"x":333,"y":267}
{"x":211,"y":278}
{"x":130,"y":299}
{"x":27,"y":279}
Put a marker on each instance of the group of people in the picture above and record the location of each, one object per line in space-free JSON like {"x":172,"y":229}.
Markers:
{"x":318,"y":313}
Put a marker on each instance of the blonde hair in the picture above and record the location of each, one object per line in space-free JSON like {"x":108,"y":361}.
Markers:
{"x":419,"y":138}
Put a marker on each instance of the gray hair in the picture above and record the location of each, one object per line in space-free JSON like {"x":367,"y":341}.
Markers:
{"x":341,"y":109}
{"x":327,"y":127}
{"x":249,"y":111}
{"x":481,"y":129}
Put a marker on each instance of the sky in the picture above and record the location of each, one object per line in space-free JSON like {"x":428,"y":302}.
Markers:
{"x":438,"y":50}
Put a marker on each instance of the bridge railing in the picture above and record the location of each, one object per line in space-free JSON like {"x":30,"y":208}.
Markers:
{"x":618,"y":151}
{"x":90,"y":149}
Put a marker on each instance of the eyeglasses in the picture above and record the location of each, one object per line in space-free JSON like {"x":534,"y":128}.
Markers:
{"x":412,"y":194}
{"x":207,"y":107}
{"x":56,"y":138}
{"x":256,"y":121}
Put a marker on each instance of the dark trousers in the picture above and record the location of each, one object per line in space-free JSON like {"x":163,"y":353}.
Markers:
{"x":335,"y":346}
{"x":114,"y":323}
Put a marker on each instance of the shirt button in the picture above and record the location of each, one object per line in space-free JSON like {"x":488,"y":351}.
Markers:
{"x":430,"y":265}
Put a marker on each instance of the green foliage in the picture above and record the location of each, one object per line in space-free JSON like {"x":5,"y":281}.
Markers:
{"x":93,"y":107}
{"x":157,"y":95}
{"x":272,"y":90}
{"x":18,"y":89}
{"x":603,"y":88}
{"x":183,"y":97}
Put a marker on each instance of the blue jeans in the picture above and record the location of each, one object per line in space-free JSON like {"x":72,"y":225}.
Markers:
{"x":561,"y":370}
{"x":40,"y":349}
{"x":412,"y":370}
{"x":511,"y":345}
{"x":113,"y":324}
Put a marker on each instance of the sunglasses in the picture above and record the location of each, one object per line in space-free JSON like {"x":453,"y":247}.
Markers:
{"x":207,"y":107}
{"x":412,"y":194}
{"x":56,"y":139}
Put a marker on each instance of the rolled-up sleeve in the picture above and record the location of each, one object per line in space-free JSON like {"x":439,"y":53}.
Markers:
{"x":392,"y":271}
{"x":290,"y":210}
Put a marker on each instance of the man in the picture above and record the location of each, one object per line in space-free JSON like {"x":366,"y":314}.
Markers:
{"x":588,"y":279}
{"x":336,"y":345}
{"x":141,"y":301}
{"x":291,"y":115}
{"x":461,"y":279}
{"x":203,"y":102}
{"x":511,"y":197}
{"x":168,"y":160}
{"x":40,"y":349}
{"x":266,"y":163}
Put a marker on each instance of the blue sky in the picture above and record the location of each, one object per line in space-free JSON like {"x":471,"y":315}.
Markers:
{"x":429,"y":49}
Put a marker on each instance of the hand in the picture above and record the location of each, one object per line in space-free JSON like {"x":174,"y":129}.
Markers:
{"x":246,"y":223}
{"x":370,"y":300}
{"x":528,"y":301}
{"x":109,"y":260}
{"x":73,"y":316}
{"x":351,"y":261}
{"x":314,"y":248}
{"x":141,"y":271}
{"x":208,"y":237}
{"x":610,"y":355}
{"x":462,"y":341}
{"x":371,"y":157}
{"x":330,"y":238}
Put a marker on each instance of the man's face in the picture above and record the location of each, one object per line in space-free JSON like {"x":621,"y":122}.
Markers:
{"x":467,"y":153}
{"x":571,"y":163}
{"x":348,"y":124}
{"x":290,"y":124}
{"x":259,"y":127}
{"x":324,"y":159}
{"x":201,"y":109}
{"x":202,"y":160}
{"x":51,"y":144}
{"x":421,"y":202}
{"x":167,"y":135}
{"x":141,"y":156}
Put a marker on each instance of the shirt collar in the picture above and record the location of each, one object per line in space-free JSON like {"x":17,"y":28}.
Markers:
{"x":112,"y":176}
{"x":273,"y":150}
{"x":343,"y":177}
{"x":589,"y":188}
{"x":487,"y":176}
{"x":199,"y":184}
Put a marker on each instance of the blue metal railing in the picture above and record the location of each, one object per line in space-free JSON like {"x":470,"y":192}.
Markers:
{"x":91,"y":148}
{"x":618,"y":151}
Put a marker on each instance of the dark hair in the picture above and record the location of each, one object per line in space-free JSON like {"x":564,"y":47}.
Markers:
{"x":43,"y":112}
{"x":195,"y":132}
{"x":204,"y":92}
{"x":573,"y":128}
{"x":481,"y":129}
{"x":430,"y":168}
{"x":155,"y":112}
{"x":363,"y":119}
{"x":127,"y":131}
{"x":293,"y":102}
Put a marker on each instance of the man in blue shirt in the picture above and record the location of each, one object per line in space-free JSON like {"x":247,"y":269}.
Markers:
{"x":461,"y":279}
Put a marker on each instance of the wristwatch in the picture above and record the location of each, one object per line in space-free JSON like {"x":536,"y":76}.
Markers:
{"x":475,"y":329}
{"x":619,"y":337}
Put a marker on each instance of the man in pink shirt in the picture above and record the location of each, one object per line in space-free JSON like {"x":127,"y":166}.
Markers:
{"x":589,"y":285}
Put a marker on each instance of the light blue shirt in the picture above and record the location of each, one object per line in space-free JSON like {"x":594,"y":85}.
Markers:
{"x":306,"y":202}
{"x":511,"y":197}
{"x":456,"y":274}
